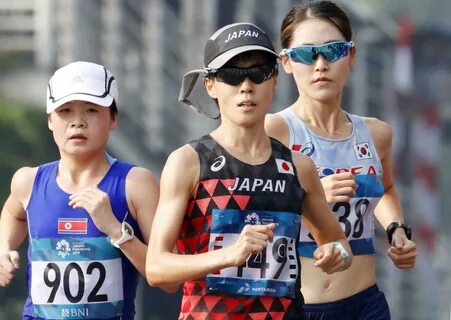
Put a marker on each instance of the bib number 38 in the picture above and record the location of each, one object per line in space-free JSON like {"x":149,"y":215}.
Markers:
{"x":351,"y":217}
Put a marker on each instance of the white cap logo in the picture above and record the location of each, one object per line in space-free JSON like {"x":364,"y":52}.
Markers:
{"x":76,"y":79}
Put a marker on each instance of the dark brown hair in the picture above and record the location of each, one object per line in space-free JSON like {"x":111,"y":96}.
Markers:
{"x":113,"y":110}
{"x":314,"y":9}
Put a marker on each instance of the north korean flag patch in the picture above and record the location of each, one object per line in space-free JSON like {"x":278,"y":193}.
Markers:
{"x":363,"y":151}
{"x":284,"y":166}
{"x":72,"y":226}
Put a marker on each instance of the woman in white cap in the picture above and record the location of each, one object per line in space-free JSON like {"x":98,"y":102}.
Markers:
{"x":88,"y":216}
{"x":231,"y":201}
{"x":353,"y":157}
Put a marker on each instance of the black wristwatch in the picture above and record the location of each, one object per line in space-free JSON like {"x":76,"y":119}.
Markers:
{"x":395,"y":225}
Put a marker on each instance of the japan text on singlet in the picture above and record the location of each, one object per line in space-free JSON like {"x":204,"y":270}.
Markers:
{"x":74,"y":272}
{"x":229,"y":195}
{"x":357,"y":154}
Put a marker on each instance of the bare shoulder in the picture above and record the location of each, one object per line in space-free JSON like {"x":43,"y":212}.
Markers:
{"x":142,"y":193}
{"x":21,"y":188}
{"x":303,"y":161}
{"x":139,"y":175}
{"x":379,"y":129}
{"x":141,"y":183}
{"x":182,"y":167}
{"x":381,"y":132}
{"x":22,"y":183}
{"x":277,"y":128}
{"x":183,"y":158}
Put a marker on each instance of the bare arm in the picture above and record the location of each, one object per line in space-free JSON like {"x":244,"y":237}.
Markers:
{"x":142,"y":192}
{"x":178,"y":180}
{"x":13,"y":223}
{"x":403,"y":252}
{"x":320,"y":221}
{"x":389,"y":208}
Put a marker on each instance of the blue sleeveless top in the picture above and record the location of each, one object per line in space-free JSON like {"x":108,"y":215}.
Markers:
{"x":357,"y":154}
{"x":73,"y":271}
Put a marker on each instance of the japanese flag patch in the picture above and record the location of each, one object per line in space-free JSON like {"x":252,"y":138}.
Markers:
{"x":284,"y":166}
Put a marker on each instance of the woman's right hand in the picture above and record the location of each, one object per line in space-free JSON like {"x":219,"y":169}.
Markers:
{"x":9,"y":263}
{"x":339,"y":187}
{"x":252,"y":240}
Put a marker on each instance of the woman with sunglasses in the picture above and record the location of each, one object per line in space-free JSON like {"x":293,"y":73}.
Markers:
{"x":231,"y":201}
{"x":353,"y":158}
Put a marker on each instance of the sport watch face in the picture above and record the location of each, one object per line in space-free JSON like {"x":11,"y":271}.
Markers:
{"x":127,"y":234}
{"x":127,"y":228}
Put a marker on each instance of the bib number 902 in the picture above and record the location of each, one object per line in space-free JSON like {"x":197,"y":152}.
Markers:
{"x":54,"y":277}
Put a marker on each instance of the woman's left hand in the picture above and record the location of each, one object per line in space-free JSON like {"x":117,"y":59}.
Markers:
{"x":403,"y":251}
{"x":330,"y":258}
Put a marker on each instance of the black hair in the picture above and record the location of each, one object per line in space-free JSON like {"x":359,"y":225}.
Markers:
{"x":314,"y":9}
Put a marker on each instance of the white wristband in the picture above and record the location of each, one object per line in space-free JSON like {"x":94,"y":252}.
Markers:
{"x":343,"y":252}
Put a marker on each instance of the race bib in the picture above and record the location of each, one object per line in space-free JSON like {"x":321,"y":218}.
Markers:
{"x":76,"y":278}
{"x":272,"y":272}
{"x":356,"y":218}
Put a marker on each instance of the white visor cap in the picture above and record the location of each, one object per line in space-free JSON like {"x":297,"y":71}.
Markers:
{"x":85,"y":81}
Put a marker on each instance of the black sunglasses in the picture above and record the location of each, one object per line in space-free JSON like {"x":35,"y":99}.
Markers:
{"x":257,"y":74}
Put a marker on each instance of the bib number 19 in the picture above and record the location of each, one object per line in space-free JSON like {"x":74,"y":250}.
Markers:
{"x":53,"y":276}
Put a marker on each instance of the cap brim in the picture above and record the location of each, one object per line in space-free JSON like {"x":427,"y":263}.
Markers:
{"x":193,"y":94}
{"x":188,"y":83}
{"x":101,"y":101}
{"x":222,"y":59}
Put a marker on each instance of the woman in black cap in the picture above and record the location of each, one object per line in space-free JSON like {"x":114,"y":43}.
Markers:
{"x":231,"y":201}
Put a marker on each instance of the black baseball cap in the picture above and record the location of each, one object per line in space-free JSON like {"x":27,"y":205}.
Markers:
{"x":226,"y":43}
{"x":233,"y":39}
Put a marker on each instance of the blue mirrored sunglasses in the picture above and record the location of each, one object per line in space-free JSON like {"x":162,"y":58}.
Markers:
{"x":332,"y":51}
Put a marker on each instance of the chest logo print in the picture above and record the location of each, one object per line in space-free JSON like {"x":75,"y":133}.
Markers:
{"x":63,"y":248}
{"x":218,"y":164}
{"x":253,"y":219}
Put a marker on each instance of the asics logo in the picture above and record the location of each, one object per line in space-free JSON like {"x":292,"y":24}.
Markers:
{"x":218,"y":164}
